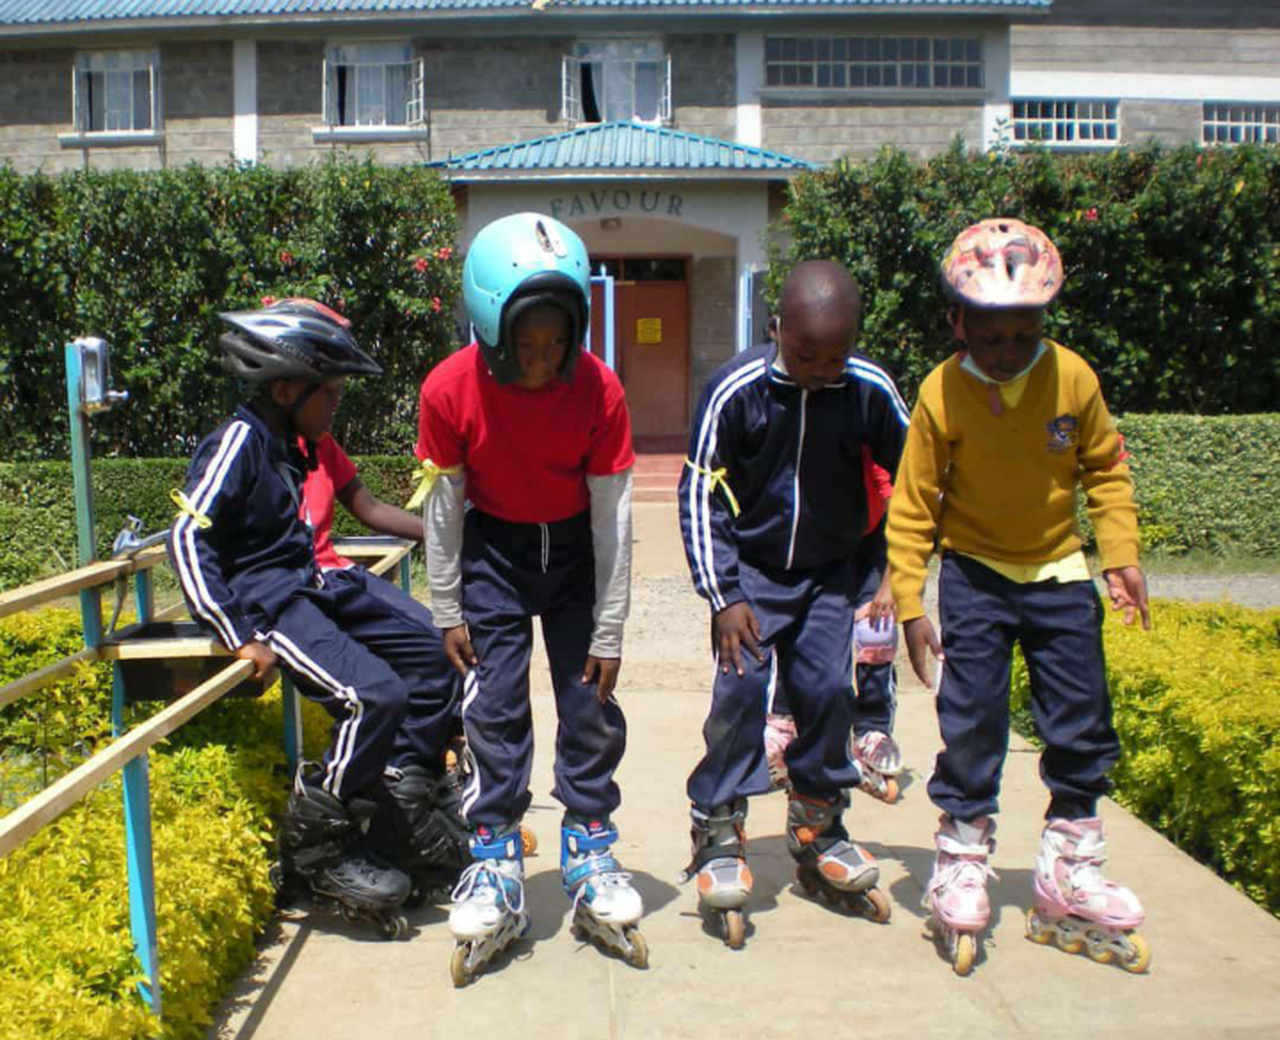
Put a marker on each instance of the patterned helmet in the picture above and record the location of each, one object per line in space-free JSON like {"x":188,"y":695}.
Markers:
{"x":1002,"y":264}
{"x":515,"y":264}
{"x":292,"y":339}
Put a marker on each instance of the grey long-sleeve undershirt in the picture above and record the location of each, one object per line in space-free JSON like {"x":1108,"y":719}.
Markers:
{"x":443,"y":516}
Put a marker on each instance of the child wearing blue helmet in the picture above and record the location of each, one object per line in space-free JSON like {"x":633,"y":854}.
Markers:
{"x":533,"y":433}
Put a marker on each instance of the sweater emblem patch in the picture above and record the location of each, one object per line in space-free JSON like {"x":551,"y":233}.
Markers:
{"x":1064,"y":433}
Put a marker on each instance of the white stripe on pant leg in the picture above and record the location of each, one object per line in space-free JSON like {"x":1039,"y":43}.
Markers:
{"x":471,"y":793}
{"x":344,"y":745}
{"x":772,"y":689}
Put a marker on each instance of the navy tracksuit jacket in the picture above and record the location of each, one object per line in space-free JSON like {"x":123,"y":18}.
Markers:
{"x":792,"y":460}
{"x":353,"y":642}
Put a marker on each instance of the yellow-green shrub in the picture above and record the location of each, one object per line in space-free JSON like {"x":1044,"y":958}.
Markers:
{"x":1197,"y":707}
{"x":67,"y":968}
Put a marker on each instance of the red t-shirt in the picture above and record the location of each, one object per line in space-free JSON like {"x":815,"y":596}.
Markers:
{"x":526,"y":453}
{"x":334,"y":471}
{"x":878,"y":488}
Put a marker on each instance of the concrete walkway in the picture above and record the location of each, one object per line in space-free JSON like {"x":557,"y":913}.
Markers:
{"x":806,"y":971}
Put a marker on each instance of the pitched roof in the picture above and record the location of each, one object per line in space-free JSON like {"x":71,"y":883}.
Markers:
{"x":57,"y":12}
{"x":621,"y":146}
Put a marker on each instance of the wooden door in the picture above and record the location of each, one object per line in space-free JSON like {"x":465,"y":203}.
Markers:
{"x":653,"y":356}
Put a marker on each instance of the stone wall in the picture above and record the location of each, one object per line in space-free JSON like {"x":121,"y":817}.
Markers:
{"x":35,"y":106}
{"x":712,"y":318}
{"x":702,"y":84}
{"x":821,"y":131}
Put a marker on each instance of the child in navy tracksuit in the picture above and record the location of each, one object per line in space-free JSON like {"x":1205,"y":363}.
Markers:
{"x":773,"y":510}
{"x":246,"y":563}
{"x":533,"y":433}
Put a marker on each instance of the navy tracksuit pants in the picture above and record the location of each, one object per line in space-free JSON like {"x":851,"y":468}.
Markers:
{"x":806,"y":623}
{"x":371,"y":655}
{"x":876,"y":685}
{"x":510,"y":572}
{"x":1059,"y":626}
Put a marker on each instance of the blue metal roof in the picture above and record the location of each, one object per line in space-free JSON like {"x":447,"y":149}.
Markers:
{"x":55,"y":12}
{"x":622,"y":145}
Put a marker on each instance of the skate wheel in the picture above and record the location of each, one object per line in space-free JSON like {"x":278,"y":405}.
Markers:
{"x":891,"y":790}
{"x":1036,"y":932}
{"x":458,"y":966}
{"x":807,"y":881}
{"x":528,"y":841}
{"x":280,"y":885}
{"x":875,"y":906}
{"x":1069,"y":945}
{"x":579,"y":933}
{"x":735,"y":928}
{"x":639,"y":955}
{"x":393,"y":926}
{"x":1099,"y":953}
{"x":966,"y":952}
{"x":1140,"y":960}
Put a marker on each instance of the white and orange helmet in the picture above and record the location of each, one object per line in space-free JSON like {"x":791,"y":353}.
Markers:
{"x":1001,"y":264}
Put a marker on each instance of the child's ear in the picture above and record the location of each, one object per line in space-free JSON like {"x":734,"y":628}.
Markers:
{"x":772,"y":328}
{"x":955,"y":319}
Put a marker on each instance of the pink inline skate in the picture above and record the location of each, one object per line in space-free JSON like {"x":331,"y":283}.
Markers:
{"x":956,"y":896}
{"x":779,"y":732}
{"x":1079,"y":909}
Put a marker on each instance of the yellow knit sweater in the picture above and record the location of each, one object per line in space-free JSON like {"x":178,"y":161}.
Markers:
{"x":1004,"y":485}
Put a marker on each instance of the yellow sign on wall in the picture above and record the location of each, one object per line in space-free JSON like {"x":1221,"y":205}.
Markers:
{"x":648,"y":330}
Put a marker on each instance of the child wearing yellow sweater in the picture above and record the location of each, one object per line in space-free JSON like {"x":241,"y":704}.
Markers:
{"x":1001,"y":435}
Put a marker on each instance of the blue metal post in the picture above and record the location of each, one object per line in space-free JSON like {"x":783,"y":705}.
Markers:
{"x":137,"y":795}
{"x":292,"y":723}
{"x":406,"y":578}
{"x":142,"y":598}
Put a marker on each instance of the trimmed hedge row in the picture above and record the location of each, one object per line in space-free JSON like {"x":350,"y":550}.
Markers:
{"x":1171,"y":260}
{"x":148,"y":259}
{"x":1197,"y":706}
{"x":67,"y":968}
{"x":1202,"y":483}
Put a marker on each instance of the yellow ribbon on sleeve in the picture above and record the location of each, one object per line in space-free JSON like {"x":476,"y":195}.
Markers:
{"x":187,"y":508}
{"x":719,"y":478}
{"x":427,"y":473}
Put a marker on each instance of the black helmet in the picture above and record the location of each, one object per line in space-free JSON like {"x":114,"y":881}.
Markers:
{"x":293,"y":339}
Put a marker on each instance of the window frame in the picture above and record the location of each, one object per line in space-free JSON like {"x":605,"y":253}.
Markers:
{"x":1266,"y":125}
{"x":89,"y":63}
{"x":347,"y":55}
{"x":571,"y":99}
{"x":840,"y":55}
{"x":1075,"y":121}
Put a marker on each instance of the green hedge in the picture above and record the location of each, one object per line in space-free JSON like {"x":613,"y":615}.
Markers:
{"x":1172,"y":258}
{"x":148,"y":259}
{"x":67,"y":968}
{"x":1197,"y":706}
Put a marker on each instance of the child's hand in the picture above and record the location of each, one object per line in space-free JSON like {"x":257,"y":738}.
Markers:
{"x":731,"y":629}
{"x":881,"y":608}
{"x":604,"y":672}
{"x":921,"y":639}
{"x":1127,"y":589}
{"x":458,"y":648}
{"x":260,"y":655}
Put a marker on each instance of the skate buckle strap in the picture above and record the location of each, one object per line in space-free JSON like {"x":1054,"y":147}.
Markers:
{"x":578,"y":842}
{"x":506,"y":847}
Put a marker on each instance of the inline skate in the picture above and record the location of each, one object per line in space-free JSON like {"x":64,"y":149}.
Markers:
{"x":321,"y":857}
{"x":956,"y":896}
{"x":488,"y":912}
{"x":880,"y":760}
{"x":424,"y":835}
{"x":779,"y":732}
{"x":828,"y":864}
{"x":1079,"y":909}
{"x":605,"y":906}
{"x":720,"y":865}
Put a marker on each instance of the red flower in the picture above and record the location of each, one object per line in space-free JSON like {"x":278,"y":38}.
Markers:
{"x":436,"y":305}
{"x":1091,"y":214}
{"x":444,"y":253}
{"x":267,"y":301}
{"x":420,"y":265}
{"x":286,"y":257}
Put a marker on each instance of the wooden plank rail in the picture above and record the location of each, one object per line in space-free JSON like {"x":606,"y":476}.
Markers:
{"x":101,"y":573}
{"x":385,"y":552}
{"x":56,"y":799}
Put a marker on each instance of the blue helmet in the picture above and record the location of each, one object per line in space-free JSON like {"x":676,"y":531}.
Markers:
{"x":515,"y":264}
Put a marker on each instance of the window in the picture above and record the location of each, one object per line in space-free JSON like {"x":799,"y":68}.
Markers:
{"x":115,"y":91}
{"x":1241,"y":123}
{"x":604,"y":80}
{"x":1059,"y":122}
{"x":874,"y":62}
{"x":373,"y":84}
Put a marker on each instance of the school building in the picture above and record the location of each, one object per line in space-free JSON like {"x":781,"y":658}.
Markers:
{"x":663,"y":131}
